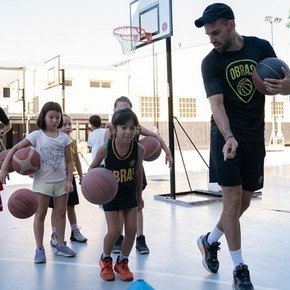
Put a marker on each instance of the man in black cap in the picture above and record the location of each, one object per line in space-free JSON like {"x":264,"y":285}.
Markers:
{"x":237,"y":131}
{"x":215,"y":12}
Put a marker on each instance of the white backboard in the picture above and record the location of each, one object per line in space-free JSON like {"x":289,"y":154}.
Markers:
{"x":52,"y":74}
{"x":155,"y":16}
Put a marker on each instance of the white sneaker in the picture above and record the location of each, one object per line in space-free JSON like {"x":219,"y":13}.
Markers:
{"x":39,"y":257}
{"x":53,"y":240}
{"x":76,"y":236}
{"x":65,"y":251}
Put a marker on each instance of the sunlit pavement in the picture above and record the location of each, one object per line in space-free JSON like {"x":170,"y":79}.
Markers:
{"x":171,"y":231}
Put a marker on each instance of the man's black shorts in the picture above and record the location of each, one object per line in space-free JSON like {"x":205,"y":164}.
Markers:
{"x":246,"y":168}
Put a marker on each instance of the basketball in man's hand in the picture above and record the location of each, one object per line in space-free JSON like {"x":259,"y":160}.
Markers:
{"x":26,"y":161}
{"x":99,"y":186}
{"x":270,"y":68}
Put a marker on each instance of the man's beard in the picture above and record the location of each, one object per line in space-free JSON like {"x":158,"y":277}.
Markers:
{"x":225,"y":46}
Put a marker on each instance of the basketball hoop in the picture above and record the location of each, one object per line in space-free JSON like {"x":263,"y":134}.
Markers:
{"x":130,"y":36}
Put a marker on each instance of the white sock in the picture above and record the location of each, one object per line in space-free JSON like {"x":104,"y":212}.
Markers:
{"x":237,"y":257}
{"x":214,"y":235}
{"x":74,"y":227}
{"x":104,"y":256}
{"x":122,"y":257}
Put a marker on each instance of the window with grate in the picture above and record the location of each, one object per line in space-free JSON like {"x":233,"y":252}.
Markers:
{"x":95,"y":84}
{"x":187,"y":108}
{"x":105,"y":84}
{"x":6,"y":92}
{"x":100,"y":84}
{"x":150,"y":107}
{"x":279,"y":109}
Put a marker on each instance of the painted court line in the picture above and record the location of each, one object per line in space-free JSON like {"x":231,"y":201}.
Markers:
{"x":171,"y":275}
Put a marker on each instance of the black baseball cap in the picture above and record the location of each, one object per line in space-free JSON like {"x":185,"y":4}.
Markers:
{"x":214,"y":12}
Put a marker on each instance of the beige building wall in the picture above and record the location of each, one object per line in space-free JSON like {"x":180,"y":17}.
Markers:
{"x":136,"y":78}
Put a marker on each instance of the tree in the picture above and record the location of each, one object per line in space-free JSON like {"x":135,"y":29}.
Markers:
{"x":288,"y":22}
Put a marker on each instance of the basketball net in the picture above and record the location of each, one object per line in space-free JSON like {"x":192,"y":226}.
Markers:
{"x":130,"y":36}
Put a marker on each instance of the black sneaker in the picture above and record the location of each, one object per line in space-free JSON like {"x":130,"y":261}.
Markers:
{"x":242,"y":279}
{"x":209,"y":253}
{"x":141,"y":246}
{"x":117,"y":249}
{"x":77,"y":236}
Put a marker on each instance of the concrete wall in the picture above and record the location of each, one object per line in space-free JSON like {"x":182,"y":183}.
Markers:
{"x":199,"y":133}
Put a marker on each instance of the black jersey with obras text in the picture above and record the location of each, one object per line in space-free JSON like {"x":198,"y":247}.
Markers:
{"x":123,"y":168}
{"x":230,"y":73}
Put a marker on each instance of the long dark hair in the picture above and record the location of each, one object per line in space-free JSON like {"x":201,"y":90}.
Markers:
{"x":49,"y":106}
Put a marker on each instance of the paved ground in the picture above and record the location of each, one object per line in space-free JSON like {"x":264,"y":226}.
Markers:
{"x":171,"y":231}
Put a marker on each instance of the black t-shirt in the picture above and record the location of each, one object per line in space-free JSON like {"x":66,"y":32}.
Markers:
{"x":3,"y":117}
{"x":230,"y":73}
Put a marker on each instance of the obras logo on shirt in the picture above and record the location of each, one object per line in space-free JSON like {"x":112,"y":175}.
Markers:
{"x":239,"y":77}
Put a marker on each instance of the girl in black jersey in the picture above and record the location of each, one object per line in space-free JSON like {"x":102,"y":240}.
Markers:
{"x":123,"y":155}
{"x":141,"y":245}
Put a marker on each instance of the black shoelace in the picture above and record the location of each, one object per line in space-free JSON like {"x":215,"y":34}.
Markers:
{"x":212,"y":250}
{"x":243,"y":276}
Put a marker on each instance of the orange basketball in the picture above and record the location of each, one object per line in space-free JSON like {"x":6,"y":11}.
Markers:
{"x":152,"y":148}
{"x":22,"y":203}
{"x":3,"y":155}
{"x":26,"y":161}
{"x":99,"y":186}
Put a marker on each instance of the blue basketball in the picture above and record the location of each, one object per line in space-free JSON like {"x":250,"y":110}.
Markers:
{"x":271,"y":68}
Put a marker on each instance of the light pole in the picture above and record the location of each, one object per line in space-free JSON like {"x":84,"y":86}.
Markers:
{"x":155,"y":89}
{"x":272,"y":20}
{"x":273,"y":139}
